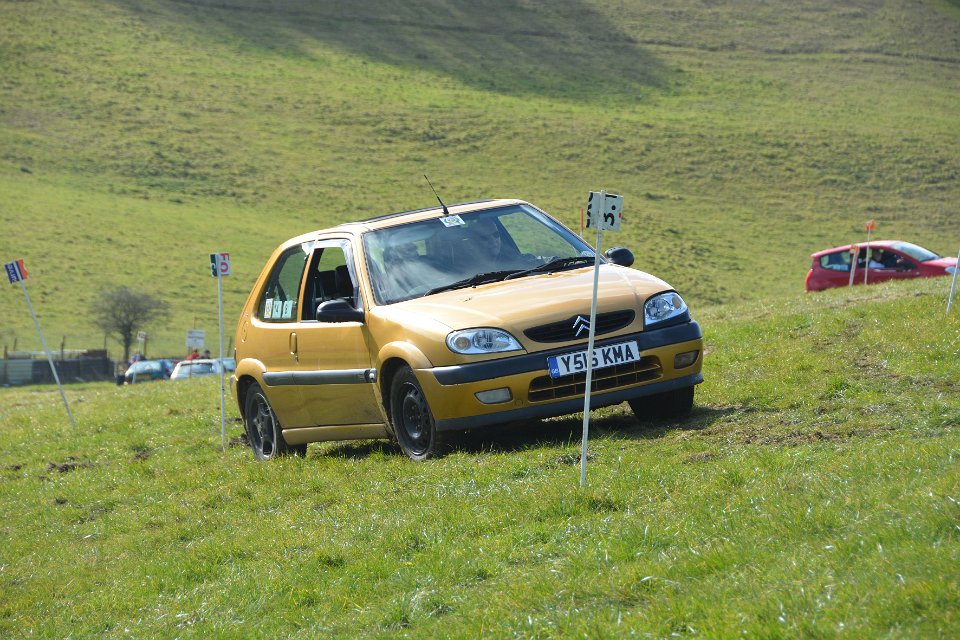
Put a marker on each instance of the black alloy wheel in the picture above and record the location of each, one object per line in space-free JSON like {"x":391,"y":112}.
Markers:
{"x":263,"y":429}
{"x":412,"y":419}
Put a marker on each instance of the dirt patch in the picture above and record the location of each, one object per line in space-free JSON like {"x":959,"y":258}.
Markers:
{"x":569,"y":459}
{"x":796,"y":438}
{"x":71,"y":464}
{"x":239,"y":441}
{"x":142,"y":453}
{"x":696,"y":458}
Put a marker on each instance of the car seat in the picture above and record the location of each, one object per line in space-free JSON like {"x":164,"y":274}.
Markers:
{"x":343,"y":283}
{"x":323,"y":287}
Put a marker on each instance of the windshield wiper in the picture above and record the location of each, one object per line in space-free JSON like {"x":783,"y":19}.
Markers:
{"x":554,"y":265}
{"x":472,"y":281}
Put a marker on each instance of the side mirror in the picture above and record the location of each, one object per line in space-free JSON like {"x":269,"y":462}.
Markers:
{"x":338,"y":311}
{"x":619,"y":255}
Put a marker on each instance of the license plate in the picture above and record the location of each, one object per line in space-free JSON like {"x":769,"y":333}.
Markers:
{"x":607,"y":356}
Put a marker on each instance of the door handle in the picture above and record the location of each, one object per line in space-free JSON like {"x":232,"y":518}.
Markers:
{"x":293,"y":346}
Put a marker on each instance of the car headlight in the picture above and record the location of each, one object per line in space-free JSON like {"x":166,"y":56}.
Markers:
{"x":663,"y":307}
{"x":951,"y":270}
{"x":483,"y":340}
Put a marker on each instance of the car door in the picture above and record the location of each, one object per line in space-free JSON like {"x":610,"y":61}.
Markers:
{"x":874,"y":273}
{"x":902,"y":267}
{"x":274,"y":334}
{"x":337,"y":379}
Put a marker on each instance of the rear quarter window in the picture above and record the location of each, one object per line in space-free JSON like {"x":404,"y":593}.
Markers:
{"x":836,"y":261}
{"x":279,"y":300}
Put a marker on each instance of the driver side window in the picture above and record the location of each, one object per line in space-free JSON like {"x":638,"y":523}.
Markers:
{"x":329,"y":278}
{"x":279,"y":300}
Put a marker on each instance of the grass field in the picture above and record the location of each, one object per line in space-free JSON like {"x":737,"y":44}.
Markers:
{"x":136,"y":139}
{"x":812,"y":493}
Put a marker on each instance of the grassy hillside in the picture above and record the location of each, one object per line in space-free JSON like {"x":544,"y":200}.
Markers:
{"x":136,"y":138}
{"x":812,"y":493}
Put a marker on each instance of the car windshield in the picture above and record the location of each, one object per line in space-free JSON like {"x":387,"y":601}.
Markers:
{"x":917,"y":253}
{"x":196,"y":368}
{"x":457,"y":251}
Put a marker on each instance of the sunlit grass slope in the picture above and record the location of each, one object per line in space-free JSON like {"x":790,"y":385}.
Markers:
{"x":136,"y":138}
{"x":812,"y":493}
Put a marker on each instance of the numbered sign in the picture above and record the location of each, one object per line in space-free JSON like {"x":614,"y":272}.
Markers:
{"x":196,"y":338}
{"x":16,"y":271}
{"x":606,"y":214}
{"x":219,"y":264}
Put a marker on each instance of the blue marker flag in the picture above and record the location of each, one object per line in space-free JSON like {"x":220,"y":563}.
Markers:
{"x":16,"y":271}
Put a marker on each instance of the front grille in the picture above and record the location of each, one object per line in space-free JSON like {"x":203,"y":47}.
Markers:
{"x":566,"y":330}
{"x":622,"y":375}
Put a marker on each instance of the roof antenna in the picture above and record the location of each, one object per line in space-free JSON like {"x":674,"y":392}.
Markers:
{"x":446,"y":211}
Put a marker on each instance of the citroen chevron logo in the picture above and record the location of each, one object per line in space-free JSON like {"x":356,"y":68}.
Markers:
{"x":579,"y":325}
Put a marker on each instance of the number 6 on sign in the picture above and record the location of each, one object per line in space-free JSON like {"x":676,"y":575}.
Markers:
{"x":605,"y":215}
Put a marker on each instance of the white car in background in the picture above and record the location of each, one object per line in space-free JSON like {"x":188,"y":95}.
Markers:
{"x":202,"y":367}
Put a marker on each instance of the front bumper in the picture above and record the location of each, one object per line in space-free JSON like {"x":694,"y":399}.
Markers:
{"x":452,"y":390}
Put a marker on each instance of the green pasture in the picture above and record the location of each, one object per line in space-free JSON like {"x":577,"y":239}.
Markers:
{"x":136,"y":138}
{"x":813,"y":492}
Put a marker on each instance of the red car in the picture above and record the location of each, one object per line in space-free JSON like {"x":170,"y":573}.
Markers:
{"x":888,"y":260}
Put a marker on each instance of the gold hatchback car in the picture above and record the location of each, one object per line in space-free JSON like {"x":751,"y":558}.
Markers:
{"x":420,"y":324}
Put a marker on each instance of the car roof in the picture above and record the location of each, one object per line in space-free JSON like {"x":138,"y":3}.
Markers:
{"x":404,"y":217}
{"x":190,"y":363}
{"x":880,"y":244}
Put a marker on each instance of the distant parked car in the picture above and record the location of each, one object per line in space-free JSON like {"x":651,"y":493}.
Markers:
{"x":202,"y":367}
{"x":887,"y":260}
{"x":147,"y":370}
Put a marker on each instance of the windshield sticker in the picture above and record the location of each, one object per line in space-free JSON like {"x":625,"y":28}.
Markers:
{"x":452,"y":221}
{"x":277,"y":308}
{"x":268,"y":309}
{"x":288,"y":309}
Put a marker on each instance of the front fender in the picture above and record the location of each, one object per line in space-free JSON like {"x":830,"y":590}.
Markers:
{"x":405,"y":351}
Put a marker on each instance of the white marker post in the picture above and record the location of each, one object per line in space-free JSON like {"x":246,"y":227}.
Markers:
{"x":603,"y":212}
{"x":854,"y":250}
{"x":953,"y":285}
{"x":17,"y":273}
{"x":219,"y":268}
{"x":871,"y":225}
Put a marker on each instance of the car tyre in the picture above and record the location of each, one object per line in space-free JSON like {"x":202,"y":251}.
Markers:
{"x":264,"y":432}
{"x":669,"y":404}
{"x":413,"y":423}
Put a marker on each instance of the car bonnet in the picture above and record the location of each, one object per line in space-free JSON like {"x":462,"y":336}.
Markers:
{"x":524,"y":302}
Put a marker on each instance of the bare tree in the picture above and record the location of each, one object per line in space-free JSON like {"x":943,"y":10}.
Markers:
{"x":122,"y":312}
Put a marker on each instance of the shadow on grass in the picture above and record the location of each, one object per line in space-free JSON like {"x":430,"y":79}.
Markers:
{"x":554,"y":432}
{"x":563,"y":48}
